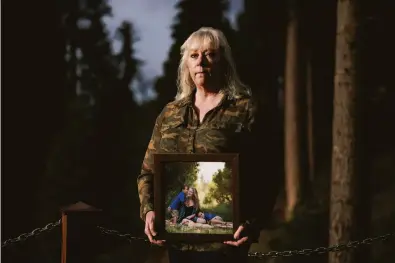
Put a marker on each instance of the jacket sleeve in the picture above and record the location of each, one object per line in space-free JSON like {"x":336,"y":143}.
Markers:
{"x":145,"y":179}
{"x":175,"y":202}
{"x":262,"y":166}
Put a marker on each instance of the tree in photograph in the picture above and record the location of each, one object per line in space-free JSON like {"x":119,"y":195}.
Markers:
{"x":221,"y":188}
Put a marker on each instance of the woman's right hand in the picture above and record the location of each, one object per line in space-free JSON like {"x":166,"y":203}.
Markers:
{"x":150,"y":230}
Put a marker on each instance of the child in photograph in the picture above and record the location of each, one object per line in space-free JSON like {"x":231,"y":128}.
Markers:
{"x":210,"y":218}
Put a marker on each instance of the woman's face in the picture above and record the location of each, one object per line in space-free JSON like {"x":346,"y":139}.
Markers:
{"x":190,"y":192}
{"x":204,"y":66}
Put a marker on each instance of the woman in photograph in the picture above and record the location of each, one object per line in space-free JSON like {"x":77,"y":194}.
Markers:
{"x":190,"y":207}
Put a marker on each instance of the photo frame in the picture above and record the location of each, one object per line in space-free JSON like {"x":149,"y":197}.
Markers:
{"x":196,"y":196}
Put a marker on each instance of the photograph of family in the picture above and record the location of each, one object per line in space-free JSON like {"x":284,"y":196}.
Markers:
{"x":199,"y":198}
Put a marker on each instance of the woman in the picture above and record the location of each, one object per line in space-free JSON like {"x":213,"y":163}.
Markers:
{"x":213,"y":112}
{"x":190,"y":207}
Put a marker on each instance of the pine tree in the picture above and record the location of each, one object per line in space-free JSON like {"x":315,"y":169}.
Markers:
{"x":115,"y":138}
{"x":98,"y":80}
{"x":260,"y":46}
{"x":192,"y":15}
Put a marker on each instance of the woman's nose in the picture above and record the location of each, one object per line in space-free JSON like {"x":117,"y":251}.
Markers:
{"x":201,"y":61}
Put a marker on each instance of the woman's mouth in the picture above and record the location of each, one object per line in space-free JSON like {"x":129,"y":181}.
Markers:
{"x":202,"y":73}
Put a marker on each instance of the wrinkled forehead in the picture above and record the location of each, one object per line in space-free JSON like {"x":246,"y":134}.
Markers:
{"x":202,"y":42}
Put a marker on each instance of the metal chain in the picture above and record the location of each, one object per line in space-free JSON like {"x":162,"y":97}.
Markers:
{"x":33,"y":233}
{"x":320,"y":250}
{"x":111,"y":232}
{"x":259,"y":255}
{"x":275,"y":254}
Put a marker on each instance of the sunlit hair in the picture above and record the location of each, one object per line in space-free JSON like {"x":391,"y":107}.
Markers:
{"x":195,"y":198}
{"x":207,"y":37}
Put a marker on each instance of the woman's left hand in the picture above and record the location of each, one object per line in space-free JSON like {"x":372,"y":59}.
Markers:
{"x":236,"y":236}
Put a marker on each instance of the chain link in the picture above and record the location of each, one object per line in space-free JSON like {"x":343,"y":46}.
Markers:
{"x":275,"y":254}
{"x":112,"y":232}
{"x":258,"y":255}
{"x":320,"y":250}
{"x":33,"y":233}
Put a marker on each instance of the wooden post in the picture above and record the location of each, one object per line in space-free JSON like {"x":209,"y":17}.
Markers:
{"x":79,"y":232}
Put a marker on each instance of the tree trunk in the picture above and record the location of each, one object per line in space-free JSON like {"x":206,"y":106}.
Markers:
{"x":292,"y":118}
{"x":345,"y":162}
{"x":310,"y":120}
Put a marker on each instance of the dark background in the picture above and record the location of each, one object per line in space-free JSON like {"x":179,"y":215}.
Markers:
{"x":60,"y":146}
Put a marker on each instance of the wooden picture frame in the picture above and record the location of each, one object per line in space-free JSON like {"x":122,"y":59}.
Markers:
{"x":215,"y":177}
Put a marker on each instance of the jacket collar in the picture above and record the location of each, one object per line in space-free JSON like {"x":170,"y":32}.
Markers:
{"x":188,"y":101}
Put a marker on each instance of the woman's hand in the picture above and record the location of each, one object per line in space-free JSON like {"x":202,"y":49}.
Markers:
{"x":190,"y":217}
{"x":149,"y":228}
{"x":236,"y":236}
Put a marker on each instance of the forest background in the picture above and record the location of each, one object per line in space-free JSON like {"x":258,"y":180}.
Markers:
{"x":73,"y":130}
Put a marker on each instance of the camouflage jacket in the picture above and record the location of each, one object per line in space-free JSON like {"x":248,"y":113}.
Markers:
{"x":228,"y":128}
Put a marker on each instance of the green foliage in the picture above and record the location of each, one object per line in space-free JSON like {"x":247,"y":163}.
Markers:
{"x":97,"y":141}
{"x":221,"y":189}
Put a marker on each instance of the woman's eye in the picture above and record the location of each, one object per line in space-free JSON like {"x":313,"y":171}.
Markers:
{"x":194,"y":55}
{"x":211,"y":54}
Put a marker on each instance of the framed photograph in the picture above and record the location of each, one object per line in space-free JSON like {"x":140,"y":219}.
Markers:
{"x":196,"y":196}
